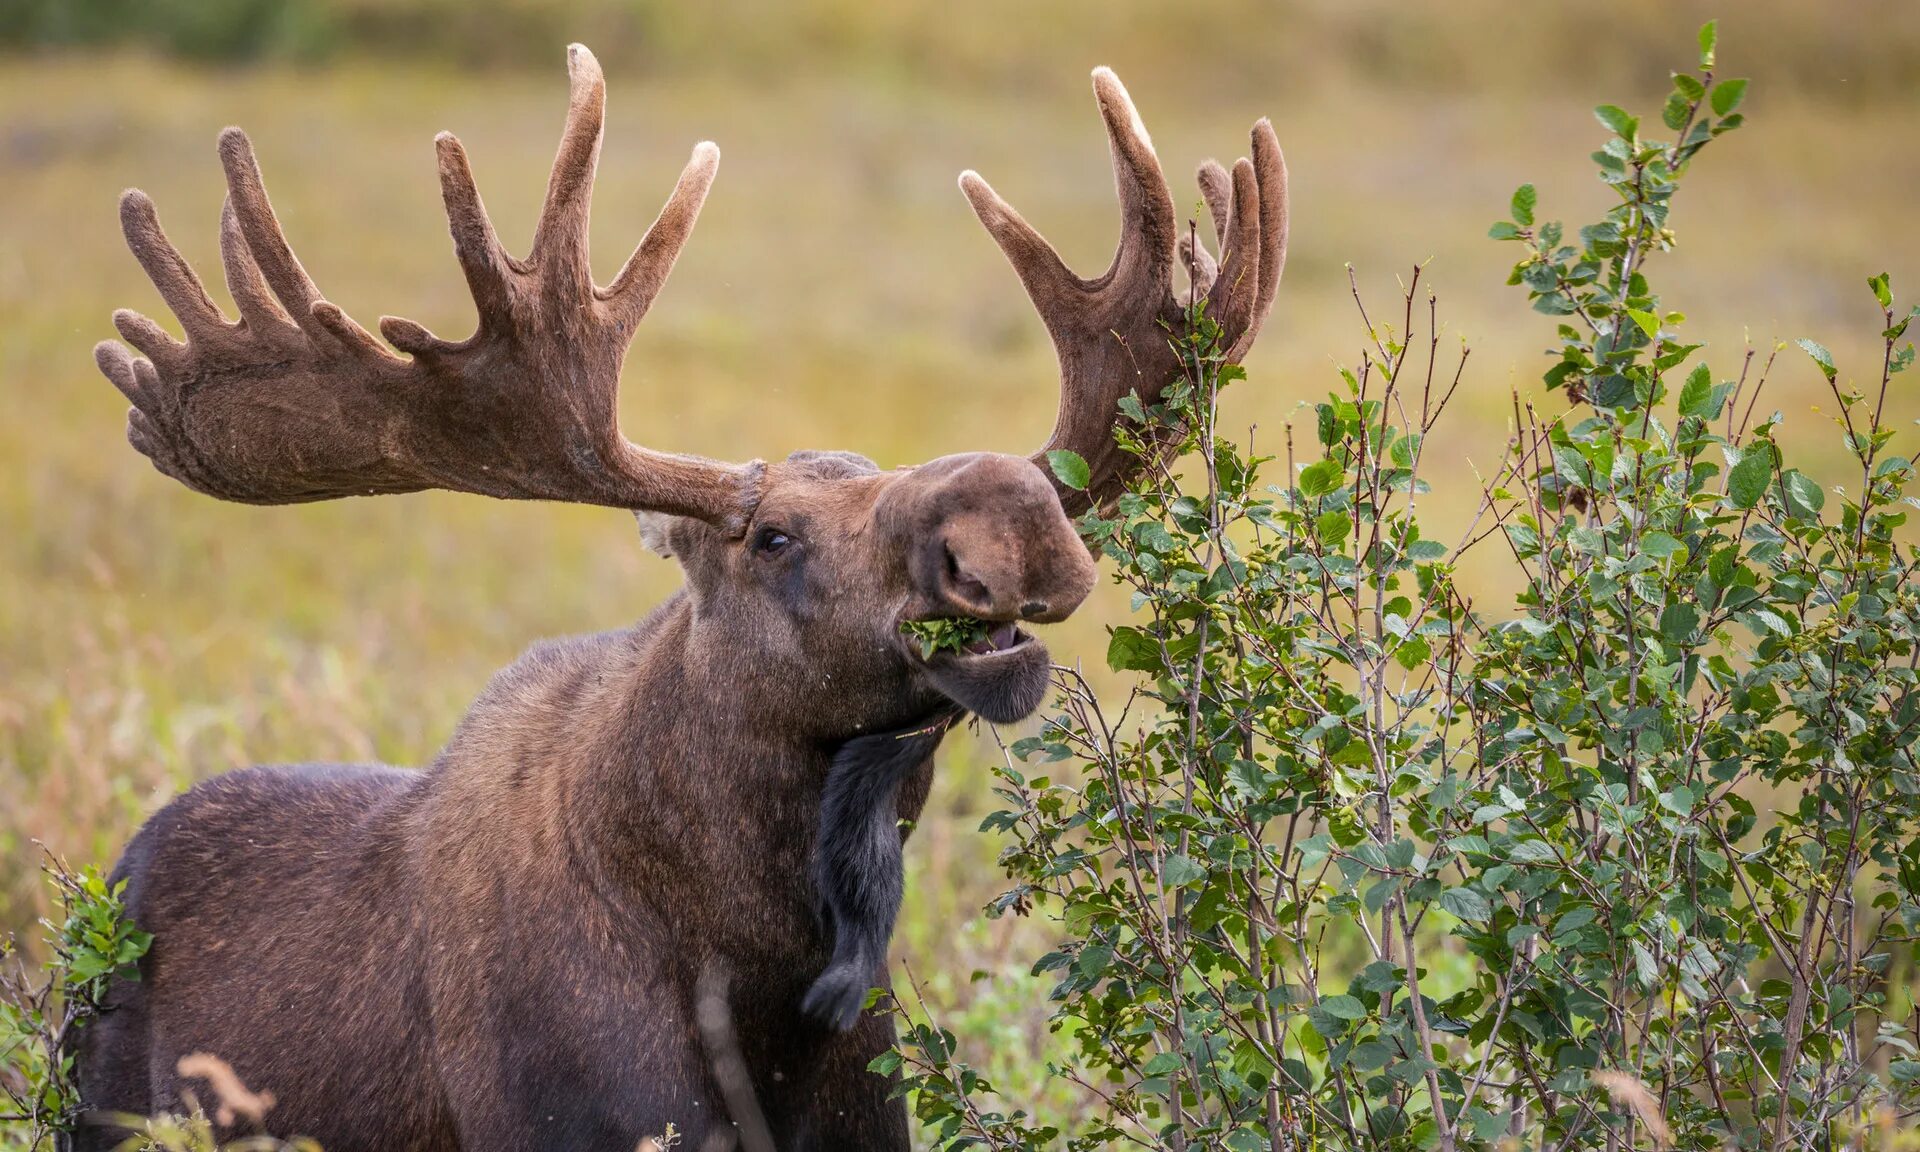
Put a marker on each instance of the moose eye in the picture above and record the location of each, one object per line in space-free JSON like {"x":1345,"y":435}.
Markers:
{"x":770,"y":541}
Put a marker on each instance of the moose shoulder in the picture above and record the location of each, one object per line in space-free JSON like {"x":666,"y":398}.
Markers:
{"x":508,"y":950}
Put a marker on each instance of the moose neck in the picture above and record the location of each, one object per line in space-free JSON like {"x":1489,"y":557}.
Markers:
{"x":668,"y":767}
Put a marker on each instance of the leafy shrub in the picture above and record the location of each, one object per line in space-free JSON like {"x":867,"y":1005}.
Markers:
{"x":1362,"y":864}
{"x":93,"y":942}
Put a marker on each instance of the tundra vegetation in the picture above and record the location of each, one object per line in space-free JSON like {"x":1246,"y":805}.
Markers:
{"x":1366,"y":864}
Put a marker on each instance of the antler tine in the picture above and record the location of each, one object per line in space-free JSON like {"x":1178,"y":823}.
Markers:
{"x":1232,"y":296}
{"x":273,"y":257}
{"x":172,"y":276}
{"x":266,"y":243}
{"x":645,"y":272}
{"x":1148,"y":223}
{"x":1216,"y":188}
{"x":1270,"y":176}
{"x":251,"y":295}
{"x":1042,"y":273}
{"x":560,"y":239}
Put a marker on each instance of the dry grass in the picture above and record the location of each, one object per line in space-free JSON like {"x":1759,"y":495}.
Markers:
{"x":838,"y":295}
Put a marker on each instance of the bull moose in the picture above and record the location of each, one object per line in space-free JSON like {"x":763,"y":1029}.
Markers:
{"x":505,"y":950}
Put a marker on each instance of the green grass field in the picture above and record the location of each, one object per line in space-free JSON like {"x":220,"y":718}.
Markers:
{"x":838,"y":293}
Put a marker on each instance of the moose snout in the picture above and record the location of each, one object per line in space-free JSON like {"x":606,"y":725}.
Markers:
{"x":998,"y":546}
{"x":994,"y":571}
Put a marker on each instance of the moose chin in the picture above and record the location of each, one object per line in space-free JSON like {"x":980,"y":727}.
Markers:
{"x":513,"y":948}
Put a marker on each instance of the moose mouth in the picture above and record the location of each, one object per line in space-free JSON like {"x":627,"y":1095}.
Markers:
{"x":1001,"y":676}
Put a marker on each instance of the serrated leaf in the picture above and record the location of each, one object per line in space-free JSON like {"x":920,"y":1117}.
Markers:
{"x":1321,"y":478}
{"x":1524,"y":199}
{"x":1747,"y":481}
{"x":1820,"y":355}
{"x":1070,"y":468}
{"x":1467,"y":904}
{"x":1678,"y":621}
{"x":1343,"y":1007}
{"x":1617,"y":120}
{"x":1131,"y":650}
{"x":1178,"y":871}
{"x":1696,"y":395}
{"x":1805,"y":492}
{"x":1709,"y":34}
{"x":1661,"y":546}
{"x":1727,"y":96}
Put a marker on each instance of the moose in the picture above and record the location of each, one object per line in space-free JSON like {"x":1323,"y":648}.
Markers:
{"x":508,"y":949}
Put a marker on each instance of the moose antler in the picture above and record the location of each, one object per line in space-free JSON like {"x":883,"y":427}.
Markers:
{"x":1111,"y":333}
{"x":295,"y":402}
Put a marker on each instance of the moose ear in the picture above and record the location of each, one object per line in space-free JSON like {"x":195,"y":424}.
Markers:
{"x":656,"y":531}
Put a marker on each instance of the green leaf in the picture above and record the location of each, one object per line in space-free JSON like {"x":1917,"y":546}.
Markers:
{"x":1820,"y":355}
{"x":1321,"y":478}
{"x":1678,"y":621}
{"x":1697,"y":394}
{"x":1069,"y":468}
{"x":1661,"y":546}
{"x":1747,"y":481}
{"x":1405,"y":449}
{"x":1343,"y":1007}
{"x":1882,"y":289}
{"x":1616,"y":119}
{"x":1648,"y":322}
{"x":1178,"y":871}
{"x":1467,"y":904}
{"x":1503,"y":230}
{"x":1805,"y":492}
{"x":1674,"y":113}
{"x":1727,"y":96}
{"x":1131,"y":650}
{"x":1524,"y":198}
{"x":1709,"y":34}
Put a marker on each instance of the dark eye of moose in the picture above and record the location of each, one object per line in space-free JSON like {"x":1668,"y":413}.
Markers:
{"x":771,"y":541}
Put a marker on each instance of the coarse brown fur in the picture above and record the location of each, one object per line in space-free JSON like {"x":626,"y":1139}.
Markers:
{"x":505,"y":951}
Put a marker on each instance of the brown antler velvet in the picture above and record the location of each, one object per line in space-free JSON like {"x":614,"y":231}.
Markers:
{"x":1111,"y":333}
{"x":295,"y":402}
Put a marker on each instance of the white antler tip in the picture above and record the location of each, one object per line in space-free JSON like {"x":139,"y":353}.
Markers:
{"x":977,"y":191}
{"x":581,"y":64}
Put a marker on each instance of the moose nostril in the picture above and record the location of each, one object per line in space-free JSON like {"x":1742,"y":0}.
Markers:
{"x":963,"y":583}
{"x":1033,"y":608}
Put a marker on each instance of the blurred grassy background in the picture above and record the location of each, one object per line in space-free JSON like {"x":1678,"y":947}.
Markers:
{"x":838,"y":294}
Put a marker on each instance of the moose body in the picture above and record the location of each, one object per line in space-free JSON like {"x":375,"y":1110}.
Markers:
{"x":524,"y":945}
{"x":507,"y":957}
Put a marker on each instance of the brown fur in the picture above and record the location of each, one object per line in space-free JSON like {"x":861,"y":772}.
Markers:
{"x":503,"y":951}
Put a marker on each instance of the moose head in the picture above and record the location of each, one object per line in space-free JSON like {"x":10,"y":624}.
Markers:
{"x":649,"y":798}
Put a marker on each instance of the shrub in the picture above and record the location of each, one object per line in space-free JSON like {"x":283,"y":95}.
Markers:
{"x":92,"y":943}
{"x":1362,"y":864}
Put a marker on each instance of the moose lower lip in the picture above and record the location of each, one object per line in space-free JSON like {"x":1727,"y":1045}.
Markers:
{"x":1001,"y":685}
